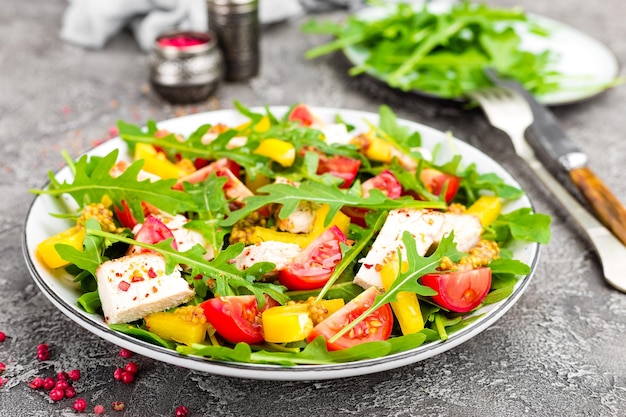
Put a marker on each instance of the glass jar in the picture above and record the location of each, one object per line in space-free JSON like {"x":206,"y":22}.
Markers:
{"x":186,"y":66}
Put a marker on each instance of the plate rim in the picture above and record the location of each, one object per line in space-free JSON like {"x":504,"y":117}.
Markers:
{"x":278,"y":372}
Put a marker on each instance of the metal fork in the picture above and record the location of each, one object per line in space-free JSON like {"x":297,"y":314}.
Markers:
{"x":509,"y":112}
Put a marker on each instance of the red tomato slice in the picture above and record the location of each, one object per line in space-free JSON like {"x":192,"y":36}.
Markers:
{"x":125,"y":216}
{"x":339,"y":166}
{"x":376,"y":326}
{"x":301,"y":114}
{"x":434,"y":180}
{"x":153,"y":231}
{"x":385,"y":182}
{"x":316,"y":263}
{"x":204,"y":172}
{"x":459,"y":291}
{"x":237,"y":318}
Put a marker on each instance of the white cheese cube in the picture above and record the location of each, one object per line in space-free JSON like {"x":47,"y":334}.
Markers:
{"x":427,"y":228}
{"x":133,"y":286}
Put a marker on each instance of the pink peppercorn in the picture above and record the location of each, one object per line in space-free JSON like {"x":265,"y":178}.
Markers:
{"x":3,"y":381}
{"x":98,"y":409}
{"x":74,"y":374}
{"x":3,"y":337}
{"x":49,"y":383}
{"x":57,"y":394}
{"x":62,"y":376}
{"x":182,"y":411}
{"x":128,"y":377}
{"x":70,"y":392}
{"x":62,"y":385}
{"x":3,"y":367}
{"x":36,"y":383}
{"x":117,"y":374}
{"x":131,"y":367}
{"x":43,"y":353}
{"x":80,"y":405}
{"x":125,"y":353}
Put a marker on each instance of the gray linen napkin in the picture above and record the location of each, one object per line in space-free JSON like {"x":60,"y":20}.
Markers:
{"x":91,"y":23}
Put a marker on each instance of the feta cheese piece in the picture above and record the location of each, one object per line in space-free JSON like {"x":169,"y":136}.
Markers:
{"x":279,"y":253}
{"x":133,"y":286}
{"x":427,"y":228}
{"x":300,"y":220}
{"x":336,"y":133}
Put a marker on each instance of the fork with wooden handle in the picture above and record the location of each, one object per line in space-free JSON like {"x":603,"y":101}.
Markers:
{"x":509,"y":112}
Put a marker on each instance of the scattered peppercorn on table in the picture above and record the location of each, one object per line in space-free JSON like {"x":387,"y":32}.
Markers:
{"x":560,"y":350}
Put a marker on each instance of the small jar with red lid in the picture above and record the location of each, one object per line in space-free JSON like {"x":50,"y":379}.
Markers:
{"x":186,"y":66}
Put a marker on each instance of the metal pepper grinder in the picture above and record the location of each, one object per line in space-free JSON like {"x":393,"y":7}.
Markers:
{"x":236,"y":24}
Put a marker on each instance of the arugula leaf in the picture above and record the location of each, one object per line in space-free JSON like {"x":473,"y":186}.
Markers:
{"x":92,"y":181}
{"x":441,"y":53}
{"x":211,"y":208}
{"x":92,"y":255}
{"x":89,"y":301}
{"x":289,"y":197}
{"x":522,"y":224}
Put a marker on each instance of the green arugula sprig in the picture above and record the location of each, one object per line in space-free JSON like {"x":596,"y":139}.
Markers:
{"x":408,"y":281}
{"x":289,"y":197}
{"x":92,"y":181}
{"x":441,"y":53}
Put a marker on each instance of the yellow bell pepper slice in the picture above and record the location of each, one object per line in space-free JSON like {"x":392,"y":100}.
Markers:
{"x":262,"y":126}
{"x":340,"y":220}
{"x":263,"y":234}
{"x":294,"y":322}
{"x":406,"y":307}
{"x":373,"y":147}
{"x":156,"y":162}
{"x":487,"y":208}
{"x":46,"y":250}
{"x":184,"y":325}
{"x":277,"y":150}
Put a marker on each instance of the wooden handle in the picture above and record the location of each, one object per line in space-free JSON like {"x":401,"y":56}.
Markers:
{"x":607,"y":207}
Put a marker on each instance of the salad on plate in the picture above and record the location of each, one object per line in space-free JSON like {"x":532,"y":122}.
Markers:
{"x":288,"y":239}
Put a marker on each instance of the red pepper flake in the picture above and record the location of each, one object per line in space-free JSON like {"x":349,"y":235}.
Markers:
{"x":137,"y":279}
{"x":155,"y":290}
{"x":151,"y":273}
{"x":368,"y":266}
{"x":118,"y":406}
{"x":123,"y":285}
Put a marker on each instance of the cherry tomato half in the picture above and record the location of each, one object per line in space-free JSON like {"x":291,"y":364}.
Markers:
{"x":340,"y":166}
{"x":385,"y":182}
{"x":302,"y":114}
{"x":152,"y":231}
{"x":125,"y":216}
{"x":316,"y":263}
{"x":376,"y":326}
{"x":459,"y":291}
{"x":237,"y":318}
{"x":435,"y":180}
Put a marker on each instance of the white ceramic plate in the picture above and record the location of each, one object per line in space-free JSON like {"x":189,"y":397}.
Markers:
{"x":589,"y":67}
{"x":58,"y":286}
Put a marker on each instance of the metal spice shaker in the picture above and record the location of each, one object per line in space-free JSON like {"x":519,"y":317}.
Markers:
{"x":236,"y":23}
{"x":186,"y":66}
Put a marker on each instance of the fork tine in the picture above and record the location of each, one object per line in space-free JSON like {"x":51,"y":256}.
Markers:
{"x":509,"y":112}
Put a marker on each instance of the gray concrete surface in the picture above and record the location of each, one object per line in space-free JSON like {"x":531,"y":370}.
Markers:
{"x":560,"y":351}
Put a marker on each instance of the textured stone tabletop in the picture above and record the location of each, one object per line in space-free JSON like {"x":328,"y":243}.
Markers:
{"x":560,"y":351}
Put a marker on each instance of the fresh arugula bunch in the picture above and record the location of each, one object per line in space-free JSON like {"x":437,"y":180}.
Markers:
{"x":440,"y":53}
